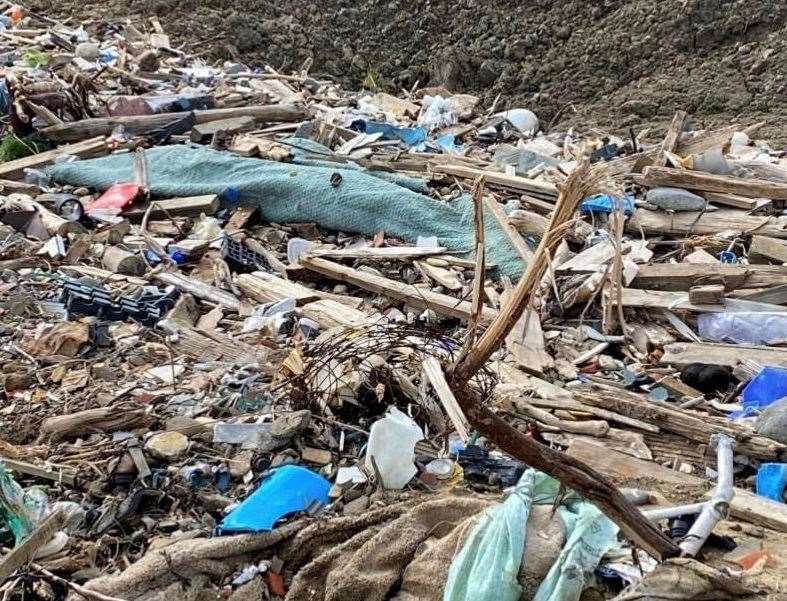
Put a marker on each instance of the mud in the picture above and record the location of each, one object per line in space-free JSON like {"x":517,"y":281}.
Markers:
{"x":615,"y":63}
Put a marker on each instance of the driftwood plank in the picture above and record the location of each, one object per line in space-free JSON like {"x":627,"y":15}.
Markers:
{"x":708,"y":182}
{"x":421,"y":299}
{"x":691,"y":223}
{"x":689,"y":424}
{"x":681,"y":354}
{"x":682,"y":276}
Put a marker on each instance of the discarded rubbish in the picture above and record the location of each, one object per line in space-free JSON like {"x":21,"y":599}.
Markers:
{"x":287,"y":490}
{"x":239,"y":300}
{"x":391,"y":449}
{"x":772,"y":480}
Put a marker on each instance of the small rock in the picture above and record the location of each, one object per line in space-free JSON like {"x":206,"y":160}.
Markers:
{"x":81,"y":191}
{"x":148,"y":61}
{"x":357,"y":506}
{"x":686,"y":468}
{"x":752,"y":530}
{"x":87,"y":51}
{"x":240,"y":464}
{"x":214,"y":501}
{"x":167,"y":446}
{"x":318,"y":456}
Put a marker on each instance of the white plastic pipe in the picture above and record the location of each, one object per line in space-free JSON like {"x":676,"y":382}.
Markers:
{"x":718,"y":507}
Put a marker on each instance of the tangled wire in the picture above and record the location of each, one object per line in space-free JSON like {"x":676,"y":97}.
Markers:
{"x":379,"y":351}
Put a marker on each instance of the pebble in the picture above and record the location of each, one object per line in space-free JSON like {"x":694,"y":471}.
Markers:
{"x":87,"y":51}
{"x":357,"y":506}
{"x":167,"y":446}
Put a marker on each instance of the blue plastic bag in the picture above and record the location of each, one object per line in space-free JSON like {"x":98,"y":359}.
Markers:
{"x":412,"y":136}
{"x":765,"y":388}
{"x":771,"y":481}
{"x":604,"y":203}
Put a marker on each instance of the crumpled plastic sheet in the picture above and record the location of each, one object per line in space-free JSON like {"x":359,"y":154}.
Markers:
{"x":486,"y":568}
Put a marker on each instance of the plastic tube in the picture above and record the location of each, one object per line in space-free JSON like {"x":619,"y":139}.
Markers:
{"x":718,"y":507}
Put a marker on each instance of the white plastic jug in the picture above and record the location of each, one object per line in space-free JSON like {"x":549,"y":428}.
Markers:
{"x":392,"y":445}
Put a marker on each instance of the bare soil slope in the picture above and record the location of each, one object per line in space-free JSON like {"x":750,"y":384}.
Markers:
{"x":611,"y":62}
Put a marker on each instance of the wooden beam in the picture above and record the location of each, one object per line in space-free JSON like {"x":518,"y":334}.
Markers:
{"x":745,"y":505}
{"x":204,"y":291}
{"x":708,"y":182}
{"x":186,"y":206}
{"x":142,"y":124}
{"x":698,"y":427}
{"x":514,"y":182}
{"x":682,"y":276}
{"x":264,"y":287}
{"x":670,"y":141}
{"x":733,"y":200}
{"x":203,"y":132}
{"x":14,"y":170}
{"x":441,"y":304}
{"x":54,"y":473}
{"x":434,"y":373}
{"x":765,"y":247}
{"x":696,"y":224}
{"x":514,"y":237}
{"x":681,"y":354}
{"x":709,"y":294}
{"x":679,"y":301}
{"x":382,"y":254}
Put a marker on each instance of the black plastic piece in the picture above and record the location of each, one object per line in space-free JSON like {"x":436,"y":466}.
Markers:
{"x":242,"y":255}
{"x":85,"y":298}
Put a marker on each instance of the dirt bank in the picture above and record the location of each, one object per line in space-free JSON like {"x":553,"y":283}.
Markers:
{"x":612,"y":62}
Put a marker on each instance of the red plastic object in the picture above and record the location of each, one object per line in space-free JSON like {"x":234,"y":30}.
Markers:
{"x":117,"y":197}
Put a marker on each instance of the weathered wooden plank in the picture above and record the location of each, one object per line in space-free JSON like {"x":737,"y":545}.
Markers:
{"x":708,"y":182}
{"x":670,"y":141}
{"x":415,"y":297}
{"x":681,"y":354}
{"x":698,"y":427}
{"x":691,"y":223}
{"x":679,"y":301}
{"x":496,"y":178}
{"x":14,"y":170}
{"x":767,"y":248}
{"x":141,"y":124}
{"x":682,"y":276}
{"x":186,"y":206}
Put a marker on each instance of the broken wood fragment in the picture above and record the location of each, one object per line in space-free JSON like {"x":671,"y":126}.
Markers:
{"x":670,"y":141}
{"x":708,"y":182}
{"x":441,"y":304}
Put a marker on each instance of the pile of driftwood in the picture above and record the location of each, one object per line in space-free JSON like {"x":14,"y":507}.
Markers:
{"x":137,"y":342}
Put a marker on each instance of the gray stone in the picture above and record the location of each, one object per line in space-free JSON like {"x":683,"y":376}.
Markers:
{"x":87,"y":51}
{"x":167,"y":446}
{"x":772,"y":422}
{"x":357,"y":506}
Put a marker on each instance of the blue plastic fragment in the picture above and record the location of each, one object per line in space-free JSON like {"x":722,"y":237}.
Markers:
{"x":727,"y":256}
{"x":767,"y":387}
{"x":604,"y":203}
{"x":412,"y":136}
{"x":288,"y":490}
{"x":771,"y":481}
